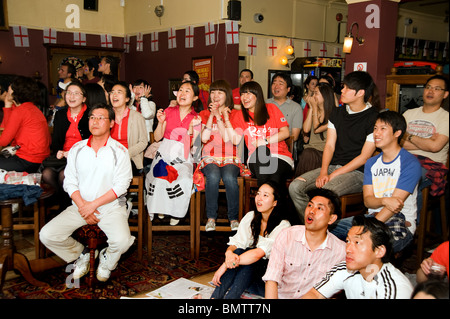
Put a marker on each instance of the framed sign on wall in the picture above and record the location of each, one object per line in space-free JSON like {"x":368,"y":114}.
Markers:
{"x":3,"y":15}
{"x":204,"y":68}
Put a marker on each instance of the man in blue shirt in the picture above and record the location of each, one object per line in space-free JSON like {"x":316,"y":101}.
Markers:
{"x":390,"y":182}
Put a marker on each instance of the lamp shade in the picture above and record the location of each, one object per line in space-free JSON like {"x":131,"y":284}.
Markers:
{"x":348,"y":43}
{"x":289,"y":50}
{"x":283,"y":60}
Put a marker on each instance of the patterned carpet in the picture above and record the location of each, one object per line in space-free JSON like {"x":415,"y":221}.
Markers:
{"x":170,"y":260}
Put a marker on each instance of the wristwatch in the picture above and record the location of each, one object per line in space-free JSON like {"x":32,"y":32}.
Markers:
{"x":410,"y":137}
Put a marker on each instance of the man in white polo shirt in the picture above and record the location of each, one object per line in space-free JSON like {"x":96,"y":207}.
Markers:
{"x":97,"y":177}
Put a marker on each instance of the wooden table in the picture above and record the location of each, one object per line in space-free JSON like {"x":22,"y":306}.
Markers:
{"x":9,"y":258}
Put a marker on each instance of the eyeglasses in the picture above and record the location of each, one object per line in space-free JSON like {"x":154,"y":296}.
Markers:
{"x":99,"y":118}
{"x":434,"y":88}
{"x":77,"y":94}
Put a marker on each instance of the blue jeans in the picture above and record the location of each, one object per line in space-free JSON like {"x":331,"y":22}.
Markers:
{"x":342,"y":226}
{"x":347,"y":183}
{"x":229,"y":174}
{"x":246,"y":277}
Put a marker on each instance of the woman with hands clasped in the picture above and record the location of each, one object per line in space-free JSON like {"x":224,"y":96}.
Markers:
{"x":219,"y":160}
{"x":315,"y":128}
{"x":169,"y":181}
{"x":249,"y":249}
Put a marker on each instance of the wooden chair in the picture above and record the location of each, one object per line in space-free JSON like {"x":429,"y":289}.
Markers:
{"x":352,"y":205}
{"x":190,"y":227}
{"x":137,"y":222}
{"x":200,"y":204}
{"x":34,"y":222}
{"x":426,"y":216}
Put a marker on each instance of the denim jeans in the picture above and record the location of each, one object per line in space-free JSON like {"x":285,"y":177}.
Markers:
{"x":347,"y":183}
{"x":246,"y":277}
{"x":229,"y":174}
{"x":342,"y":226}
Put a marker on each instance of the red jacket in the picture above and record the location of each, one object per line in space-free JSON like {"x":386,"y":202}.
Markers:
{"x":25,"y":125}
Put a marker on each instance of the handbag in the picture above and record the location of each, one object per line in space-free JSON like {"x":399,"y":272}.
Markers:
{"x":198,"y":178}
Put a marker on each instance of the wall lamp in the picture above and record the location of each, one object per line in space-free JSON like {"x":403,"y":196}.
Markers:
{"x":348,"y":41}
{"x":289,"y":50}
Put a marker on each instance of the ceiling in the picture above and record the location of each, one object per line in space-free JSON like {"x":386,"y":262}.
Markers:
{"x":438,"y":8}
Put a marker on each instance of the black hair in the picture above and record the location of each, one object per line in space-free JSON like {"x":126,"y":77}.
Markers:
{"x":334,"y":199}
{"x":247,"y":70}
{"x":379,"y":233}
{"x":94,"y":94}
{"x":193,"y":76}
{"x":360,"y":80}
{"x":111,"y":114}
{"x":125,"y":86}
{"x":261,"y":114}
{"x":140,"y":81}
{"x":70,"y":69}
{"x":394,"y":120}
{"x":25,"y":89}
{"x":224,"y":86}
{"x":439,"y":77}
{"x":276,"y":216}
{"x":197,"y":105}
{"x":285,"y":76}
{"x":436,"y":288}
{"x":307,"y":81}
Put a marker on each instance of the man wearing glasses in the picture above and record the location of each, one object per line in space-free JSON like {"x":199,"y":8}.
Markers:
{"x":97,"y":177}
{"x":427,"y":136}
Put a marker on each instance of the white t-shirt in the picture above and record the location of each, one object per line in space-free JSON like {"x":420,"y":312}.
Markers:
{"x":388,"y":283}
{"x":425,"y":125}
{"x":244,"y":239}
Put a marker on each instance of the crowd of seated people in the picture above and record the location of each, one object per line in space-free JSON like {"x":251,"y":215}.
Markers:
{"x":354,"y":148}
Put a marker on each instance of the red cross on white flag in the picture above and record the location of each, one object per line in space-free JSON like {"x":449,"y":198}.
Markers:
{"x":172,"y":37}
{"x":21,"y":36}
{"x":323,"y":50}
{"x":436,"y":49}
{"x":79,"y":38}
{"x":425,"y":48}
{"x":337,"y":52}
{"x":126,"y":43}
{"x":404,"y":45}
{"x":210,"y":34}
{"x":189,"y":37}
{"x":415,"y":47}
{"x":251,"y":45}
{"x":139,"y":42}
{"x":49,"y":35}
{"x":106,"y":41}
{"x":307,"y":48}
{"x":272,"y":47}
{"x":232,"y":30}
{"x":154,"y":41}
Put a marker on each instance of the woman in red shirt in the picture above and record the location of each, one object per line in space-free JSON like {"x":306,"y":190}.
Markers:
{"x":265,"y":130}
{"x":71,"y":125}
{"x":219,"y":160}
{"x":25,"y":125}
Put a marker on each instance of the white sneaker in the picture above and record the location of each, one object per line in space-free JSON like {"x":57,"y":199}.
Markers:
{"x":210,"y":225}
{"x":174,"y":221}
{"x":82,"y":265}
{"x":103,"y":273}
{"x":234,"y":225}
{"x":161,"y":216}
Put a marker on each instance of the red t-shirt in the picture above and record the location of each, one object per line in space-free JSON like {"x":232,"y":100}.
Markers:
{"x":25,"y":125}
{"x":236,"y":96}
{"x":119,"y":131}
{"x":73,"y":134}
{"x":176,"y":129}
{"x":215,"y":146}
{"x":253,"y":132}
{"x":440,"y":255}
